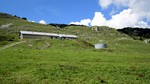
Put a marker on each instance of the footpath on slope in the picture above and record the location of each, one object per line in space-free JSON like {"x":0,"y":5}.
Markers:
{"x":10,"y":45}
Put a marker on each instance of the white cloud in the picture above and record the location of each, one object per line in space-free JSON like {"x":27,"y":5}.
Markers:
{"x":142,"y":24}
{"x":124,"y":19}
{"x":118,"y":3}
{"x":136,"y":14}
{"x":98,"y":19}
{"x":42,"y":22}
{"x":140,"y":7}
{"x":105,"y":3}
{"x":113,"y":11}
{"x":32,"y":21}
{"x":82,"y":22}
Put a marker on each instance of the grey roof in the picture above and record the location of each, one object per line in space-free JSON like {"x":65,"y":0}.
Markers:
{"x":48,"y":34}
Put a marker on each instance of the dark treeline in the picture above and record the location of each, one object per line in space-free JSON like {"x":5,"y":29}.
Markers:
{"x":11,"y":16}
{"x":62,"y":25}
{"x":6,"y":15}
{"x":136,"y":32}
{"x":24,"y":18}
{"x":58,"y":25}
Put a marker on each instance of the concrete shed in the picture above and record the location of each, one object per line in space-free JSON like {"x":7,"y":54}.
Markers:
{"x":31,"y":34}
{"x":100,"y":46}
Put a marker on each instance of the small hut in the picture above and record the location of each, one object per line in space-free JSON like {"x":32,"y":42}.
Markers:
{"x":100,"y":46}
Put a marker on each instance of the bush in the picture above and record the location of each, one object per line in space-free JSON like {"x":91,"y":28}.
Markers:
{"x":4,"y":43}
{"x":24,"y":18}
{"x":8,"y":38}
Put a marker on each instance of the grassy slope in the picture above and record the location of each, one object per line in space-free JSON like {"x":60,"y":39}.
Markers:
{"x":73,"y":61}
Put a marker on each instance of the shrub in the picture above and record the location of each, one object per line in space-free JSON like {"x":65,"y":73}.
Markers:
{"x":8,"y":38}
{"x":24,"y":18}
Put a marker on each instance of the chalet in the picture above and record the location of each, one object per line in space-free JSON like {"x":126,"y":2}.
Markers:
{"x":31,"y":34}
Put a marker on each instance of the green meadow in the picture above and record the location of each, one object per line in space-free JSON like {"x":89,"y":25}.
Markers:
{"x":56,"y":61}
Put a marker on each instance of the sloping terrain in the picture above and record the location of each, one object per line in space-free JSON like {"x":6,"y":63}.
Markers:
{"x":56,"y":61}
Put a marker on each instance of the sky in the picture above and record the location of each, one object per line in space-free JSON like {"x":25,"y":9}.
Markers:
{"x":112,"y":13}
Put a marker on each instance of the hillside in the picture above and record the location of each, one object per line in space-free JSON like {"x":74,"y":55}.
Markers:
{"x":11,"y":26}
{"x":56,"y":61}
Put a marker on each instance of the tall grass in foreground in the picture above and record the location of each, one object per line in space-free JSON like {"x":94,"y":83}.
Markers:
{"x":70,"y":62}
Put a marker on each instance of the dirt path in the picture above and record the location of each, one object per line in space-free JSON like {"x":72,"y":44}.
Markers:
{"x":10,"y":45}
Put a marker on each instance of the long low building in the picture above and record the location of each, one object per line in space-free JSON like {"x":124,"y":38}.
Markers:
{"x":31,"y":34}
